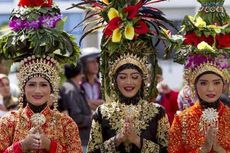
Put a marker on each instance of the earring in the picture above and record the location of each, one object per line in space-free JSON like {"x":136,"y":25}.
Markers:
{"x":20,"y":102}
{"x":53,"y":101}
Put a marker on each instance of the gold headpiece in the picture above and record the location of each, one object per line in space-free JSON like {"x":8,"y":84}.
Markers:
{"x":35,"y":66}
{"x":132,"y":59}
{"x":191,"y":75}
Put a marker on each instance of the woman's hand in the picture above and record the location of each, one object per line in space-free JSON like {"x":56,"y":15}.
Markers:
{"x":217,"y":148}
{"x":209,"y":140}
{"x":44,"y":142}
{"x":32,"y":140}
{"x":120,"y":137}
{"x":130,"y":133}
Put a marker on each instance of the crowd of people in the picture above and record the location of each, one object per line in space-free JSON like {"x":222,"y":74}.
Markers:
{"x":115,"y":99}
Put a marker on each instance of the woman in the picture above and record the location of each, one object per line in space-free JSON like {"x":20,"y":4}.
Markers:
{"x":37,"y":128}
{"x":9,"y":102}
{"x":131,"y":124}
{"x":204,"y":127}
{"x":190,"y":129}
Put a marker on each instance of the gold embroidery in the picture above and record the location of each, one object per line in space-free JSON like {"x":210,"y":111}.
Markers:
{"x":150,"y":147}
{"x":162,"y":131}
{"x":109,"y":146}
{"x":116,"y":112}
{"x":95,"y":137}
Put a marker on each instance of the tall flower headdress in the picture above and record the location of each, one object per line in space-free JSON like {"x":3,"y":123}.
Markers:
{"x":38,"y":42}
{"x":204,"y":46}
{"x":131,"y":30}
{"x":204,"y":41}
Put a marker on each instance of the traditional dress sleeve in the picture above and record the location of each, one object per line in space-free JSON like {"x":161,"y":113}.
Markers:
{"x":175,"y":137}
{"x":161,"y":145}
{"x":7,"y":125}
{"x":71,"y":135}
{"x":96,"y":143}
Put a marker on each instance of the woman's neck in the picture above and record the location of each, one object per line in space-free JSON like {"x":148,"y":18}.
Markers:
{"x":205,"y":105}
{"x":37,"y":109}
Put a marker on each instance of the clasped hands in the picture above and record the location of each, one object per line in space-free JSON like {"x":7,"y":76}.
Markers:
{"x":128,"y":134}
{"x":35,"y":140}
{"x":211,"y":142}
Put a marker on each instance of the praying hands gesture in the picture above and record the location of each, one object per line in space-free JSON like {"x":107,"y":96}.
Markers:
{"x":128,"y":134}
{"x":211,"y":142}
{"x":35,"y":140}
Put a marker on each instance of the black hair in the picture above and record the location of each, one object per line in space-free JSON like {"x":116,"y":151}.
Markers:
{"x":70,"y":70}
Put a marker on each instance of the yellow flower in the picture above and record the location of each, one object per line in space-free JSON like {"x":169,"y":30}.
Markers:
{"x":112,"y":13}
{"x":106,"y":2}
{"x":200,"y":23}
{"x":203,"y":46}
{"x":129,"y":32}
{"x":214,"y":27}
{"x":116,"y":37}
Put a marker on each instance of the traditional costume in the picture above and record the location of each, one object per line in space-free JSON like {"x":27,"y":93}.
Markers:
{"x":204,"y":48}
{"x":39,"y":43}
{"x":131,"y":32}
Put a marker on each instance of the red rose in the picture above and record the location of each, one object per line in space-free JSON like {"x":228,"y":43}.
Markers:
{"x":209,"y":39}
{"x":223,"y":41}
{"x":33,"y":3}
{"x":141,"y":27}
{"x":191,"y":39}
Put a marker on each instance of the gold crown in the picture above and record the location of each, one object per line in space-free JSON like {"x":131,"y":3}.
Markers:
{"x":132,"y":59}
{"x":190,"y":75}
{"x":35,"y":66}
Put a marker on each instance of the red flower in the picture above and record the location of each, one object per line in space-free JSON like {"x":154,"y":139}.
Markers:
{"x":141,"y":27}
{"x":191,"y":39}
{"x":112,"y":25}
{"x":132,"y":10}
{"x":209,"y":39}
{"x":223,"y":41}
{"x":33,"y":3}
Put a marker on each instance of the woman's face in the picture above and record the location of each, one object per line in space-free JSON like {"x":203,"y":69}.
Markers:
{"x":209,"y":87}
{"x":129,"y":82}
{"x":37,"y":91}
{"x":4,"y":87}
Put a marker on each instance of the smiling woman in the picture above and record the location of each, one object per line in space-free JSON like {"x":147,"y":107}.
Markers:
{"x":35,"y":127}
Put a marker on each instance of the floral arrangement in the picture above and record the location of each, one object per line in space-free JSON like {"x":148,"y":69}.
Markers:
{"x":123,"y":20}
{"x":37,"y":29}
{"x":202,"y":34}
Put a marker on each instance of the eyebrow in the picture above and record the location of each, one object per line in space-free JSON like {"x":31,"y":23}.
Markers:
{"x":131,"y":73}
{"x":212,"y":80}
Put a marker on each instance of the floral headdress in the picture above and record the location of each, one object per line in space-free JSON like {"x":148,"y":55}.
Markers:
{"x":38,"y":42}
{"x":204,"y":42}
{"x":131,"y":30}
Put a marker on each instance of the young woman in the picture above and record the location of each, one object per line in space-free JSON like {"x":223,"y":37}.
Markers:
{"x":204,"y":127}
{"x":37,"y":128}
{"x":130,"y":124}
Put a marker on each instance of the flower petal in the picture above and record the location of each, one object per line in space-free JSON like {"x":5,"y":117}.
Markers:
{"x":141,"y":27}
{"x":112,"y":13}
{"x":129,"y":32}
{"x":116,"y":37}
{"x":203,"y":46}
{"x":106,"y":2}
{"x":200,"y":23}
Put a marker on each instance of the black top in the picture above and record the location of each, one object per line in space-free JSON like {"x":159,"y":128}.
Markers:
{"x":150,"y":123}
{"x":74,"y":102}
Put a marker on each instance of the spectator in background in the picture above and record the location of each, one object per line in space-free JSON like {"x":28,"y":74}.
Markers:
{"x":185,"y":99}
{"x":8,"y":102}
{"x":167,"y":97}
{"x":74,"y":102}
{"x":91,"y":84}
